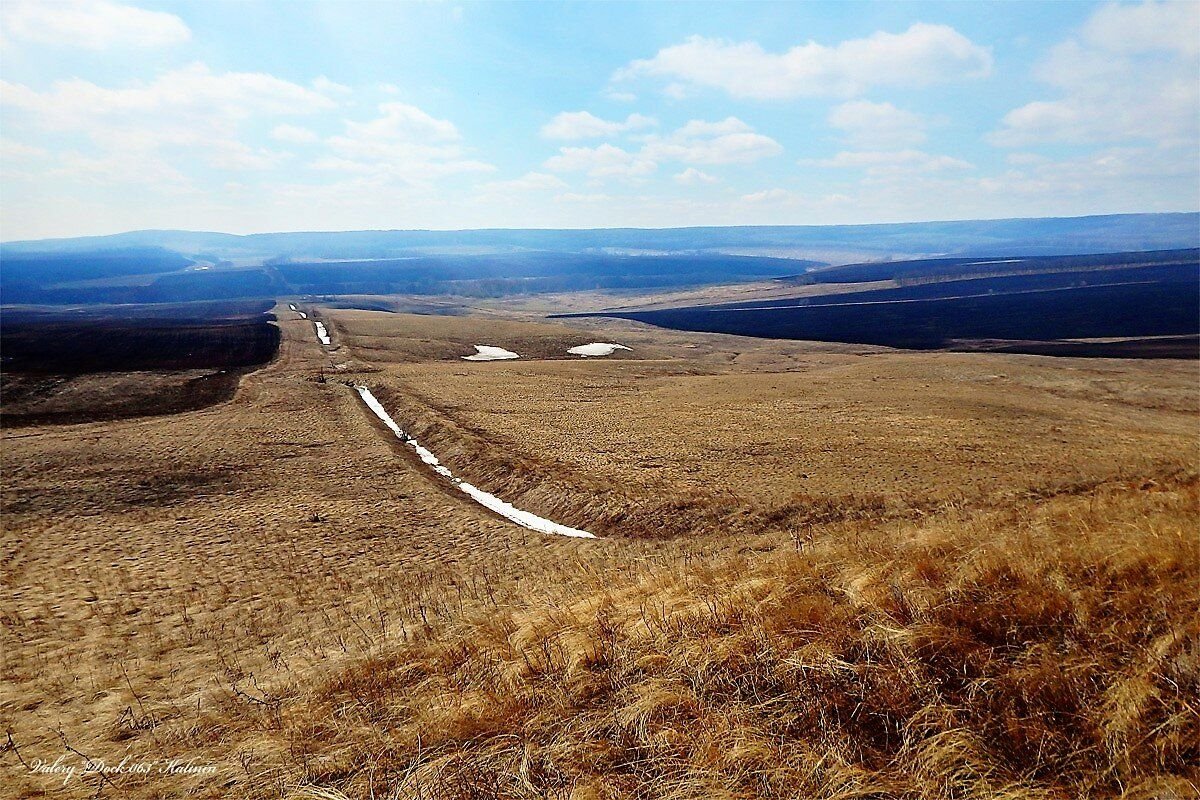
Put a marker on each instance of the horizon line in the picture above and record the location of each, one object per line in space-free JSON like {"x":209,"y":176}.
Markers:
{"x":586,"y":230}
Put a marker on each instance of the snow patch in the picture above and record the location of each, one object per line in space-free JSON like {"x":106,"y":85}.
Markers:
{"x":488,"y":501}
{"x":487,"y":353}
{"x":597,"y":349}
{"x":322,"y":334}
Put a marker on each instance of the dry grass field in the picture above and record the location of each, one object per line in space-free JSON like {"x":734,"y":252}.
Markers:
{"x":822,"y":571}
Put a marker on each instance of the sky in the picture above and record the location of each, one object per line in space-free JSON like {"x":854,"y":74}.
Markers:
{"x":256,"y":116}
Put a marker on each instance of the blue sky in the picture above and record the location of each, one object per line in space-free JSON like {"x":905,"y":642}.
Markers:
{"x":273,"y":116}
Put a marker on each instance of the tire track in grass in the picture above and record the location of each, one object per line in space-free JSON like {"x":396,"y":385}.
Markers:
{"x":489,"y":501}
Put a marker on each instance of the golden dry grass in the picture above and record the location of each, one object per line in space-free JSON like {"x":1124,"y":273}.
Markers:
{"x":692,"y":429}
{"x":1010,"y":653}
{"x":985,"y":587}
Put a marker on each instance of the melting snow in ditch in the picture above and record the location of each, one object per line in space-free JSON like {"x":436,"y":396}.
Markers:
{"x":596,"y":349}
{"x":292,"y":306}
{"x":322,"y":334}
{"x":488,"y":353}
{"x":489,"y":501}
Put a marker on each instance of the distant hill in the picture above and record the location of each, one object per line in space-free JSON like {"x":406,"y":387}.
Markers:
{"x":994,"y":238}
{"x":183,"y":266}
{"x":500,"y":274}
{"x":145,"y":275}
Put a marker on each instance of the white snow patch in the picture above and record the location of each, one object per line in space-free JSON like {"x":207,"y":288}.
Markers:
{"x":489,"y":501}
{"x":322,"y":334}
{"x":487,"y":353}
{"x":597,"y":349}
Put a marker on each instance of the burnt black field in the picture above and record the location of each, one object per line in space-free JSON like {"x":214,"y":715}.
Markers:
{"x":126,"y":338}
{"x":961,"y":268}
{"x":1029,"y":312}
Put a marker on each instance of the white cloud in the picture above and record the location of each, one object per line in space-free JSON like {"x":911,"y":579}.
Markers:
{"x":729,"y":141}
{"x":1105,"y":181}
{"x":1144,"y":179}
{"x":1129,"y":75}
{"x":733,"y":148}
{"x":698,"y":128}
{"x":187,"y":96}
{"x":136,"y":168}
{"x":358,"y":201}
{"x":887,"y":161}
{"x":582,"y":125}
{"x":293,"y":134}
{"x":529,"y":182}
{"x":697,"y":142}
{"x":618,"y":96}
{"x":921,"y":55}
{"x":328,"y":87}
{"x":572,"y":197}
{"x":90,"y":24}
{"x":877,"y":125}
{"x":768,"y":196}
{"x":234,"y":155}
{"x":1146,"y":27}
{"x":693,"y":177}
{"x":11,"y":150}
{"x":20,"y":161}
{"x":403,"y":143}
{"x":1137,"y":172}
{"x":678,"y":91}
{"x":398,"y":122}
{"x":188,"y":115}
{"x":1025,"y":159}
{"x":603,"y":161}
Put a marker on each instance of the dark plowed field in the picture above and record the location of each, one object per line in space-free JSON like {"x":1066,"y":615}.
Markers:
{"x":115,"y":362}
{"x":120,"y":338}
{"x":1028,"y":311}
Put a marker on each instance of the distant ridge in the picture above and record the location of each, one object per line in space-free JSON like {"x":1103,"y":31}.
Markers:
{"x":829,"y":243}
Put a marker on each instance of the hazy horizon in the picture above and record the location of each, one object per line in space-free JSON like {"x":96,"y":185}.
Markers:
{"x":888,"y":223}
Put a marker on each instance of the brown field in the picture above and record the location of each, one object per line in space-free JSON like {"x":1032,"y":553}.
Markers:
{"x":823,"y":570}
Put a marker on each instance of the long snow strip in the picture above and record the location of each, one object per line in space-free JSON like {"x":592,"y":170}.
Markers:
{"x":489,"y":501}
